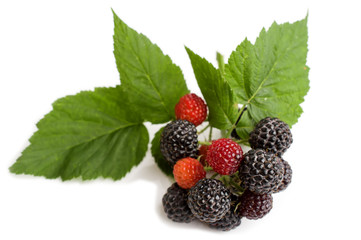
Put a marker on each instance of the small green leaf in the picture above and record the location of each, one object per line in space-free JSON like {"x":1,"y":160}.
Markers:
{"x":154,"y":84}
{"x":158,"y":157}
{"x":271,"y":76}
{"x":216,"y":91}
{"x":91,"y":134}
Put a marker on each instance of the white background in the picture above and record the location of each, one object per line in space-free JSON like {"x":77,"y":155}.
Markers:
{"x":49,"y":49}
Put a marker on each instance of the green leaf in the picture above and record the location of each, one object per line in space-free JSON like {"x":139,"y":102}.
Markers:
{"x":271,"y":76}
{"x":91,"y":134}
{"x":158,"y":157}
{"x":220,"y":100}
{"x":245,"y":126}
{"x":154,"y":84}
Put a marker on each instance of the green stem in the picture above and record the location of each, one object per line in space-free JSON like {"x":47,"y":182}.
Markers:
{"x":204,"y":143}
{"x":204,"y":129}
{"x":236,"y":185}
{"x":214,"y":175}
{"x":225,"y":180}
{"x":244,"y":107}
{"x":223,"y":133}
{"x":207,"y":169}
{"x":210,"y":134}
{"x":241,"y":141}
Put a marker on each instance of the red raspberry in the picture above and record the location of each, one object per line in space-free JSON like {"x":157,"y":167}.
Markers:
{"x":187,"y":172}
{"x":203,"y":153}
{"x":192,"y":108}
{"x":224,"y":156}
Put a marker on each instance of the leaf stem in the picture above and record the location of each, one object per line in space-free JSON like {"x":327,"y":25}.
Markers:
{"x":204,"y":143}
{"x":210,"y":134}
{"x":207,"y":169}
{"x":224,"y":179}
{"x":240,"y":113}
{"x":236,"y":186}
{"x":241,"y":141}
{"x":214,"y":175}
{"x":204,"y":129}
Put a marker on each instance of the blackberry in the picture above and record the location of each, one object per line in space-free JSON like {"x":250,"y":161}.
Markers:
{"x":179,"y":139}
{"x":175,"y":204}
{"x":260,"y":171}
{"x":254,"y":206}
{"x":209,"y":200}
{"x":231,"y":220}
{"x":287,"y":176}
{"x":272,"y":135}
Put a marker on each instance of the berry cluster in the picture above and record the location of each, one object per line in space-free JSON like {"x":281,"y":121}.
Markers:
{"x":241,"y":185}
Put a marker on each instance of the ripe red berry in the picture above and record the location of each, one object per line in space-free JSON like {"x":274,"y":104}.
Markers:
{"x":192,"y":108}
{"x":224,"y":156}
{"x":187,"y":172}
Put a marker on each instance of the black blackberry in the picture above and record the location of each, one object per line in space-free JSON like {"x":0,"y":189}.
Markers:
{"x":209,"y":200}
{"x":260,"y":171}
{"x":175,"y":204}
{"x":231,"y":220}
{"x":287,"y":176}
{"x":255,"y":206}
{"x":179,"y":139}
{"x":272,"y":135}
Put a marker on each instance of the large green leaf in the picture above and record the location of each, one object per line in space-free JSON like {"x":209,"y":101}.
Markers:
{"x":154,"y":84}
{"x":91,"y":134}
{"x":216,"y":91}
{"x":158,"y":156}
{"x":271,"y":76}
